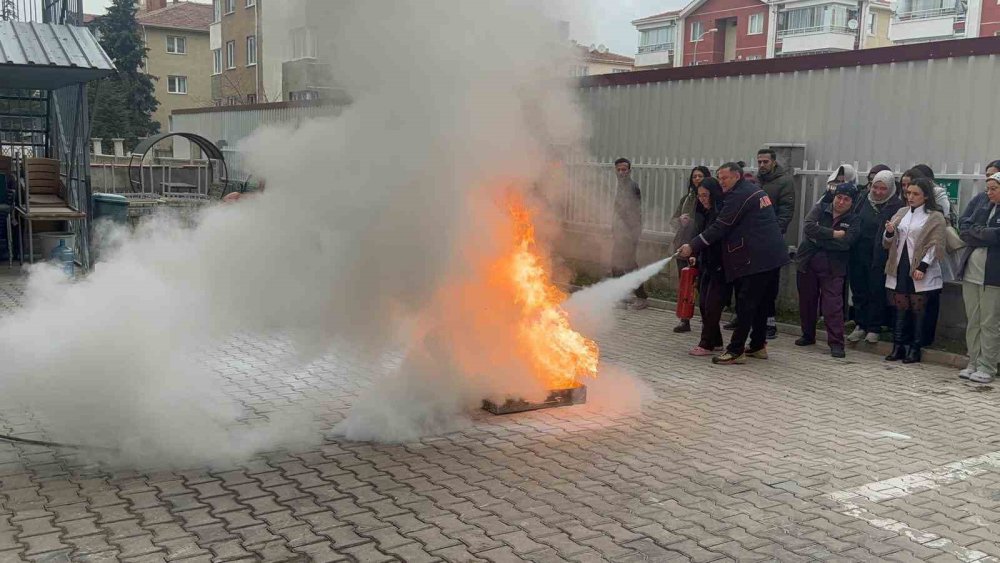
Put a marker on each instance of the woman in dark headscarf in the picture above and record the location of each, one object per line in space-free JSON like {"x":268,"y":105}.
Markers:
{"x":713,"y":291}
{"x":683,"y":221}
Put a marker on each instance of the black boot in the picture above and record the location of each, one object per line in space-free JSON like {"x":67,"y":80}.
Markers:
{"x":898,"y":336}
{"x":684,"y":326}
{"x":919,"y":331}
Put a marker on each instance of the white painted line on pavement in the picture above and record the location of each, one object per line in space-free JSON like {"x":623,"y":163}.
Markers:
{"x":898,"y":487}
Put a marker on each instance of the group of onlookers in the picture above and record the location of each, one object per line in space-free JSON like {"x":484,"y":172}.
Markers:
{"x":892,"y":244}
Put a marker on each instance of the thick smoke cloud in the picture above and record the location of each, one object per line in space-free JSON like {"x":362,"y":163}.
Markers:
{"x":370,"y":237}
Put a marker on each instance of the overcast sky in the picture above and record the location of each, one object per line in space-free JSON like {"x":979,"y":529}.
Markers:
{"x":602,"y":21}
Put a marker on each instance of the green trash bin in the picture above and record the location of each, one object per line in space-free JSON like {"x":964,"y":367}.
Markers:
{"x":110,"y":207}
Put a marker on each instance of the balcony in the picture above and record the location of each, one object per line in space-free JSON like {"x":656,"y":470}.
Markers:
{"x":823,"y":38}
{"x":924,"y":25}
{"x":655,"y":55}
{"x":62,"y":12}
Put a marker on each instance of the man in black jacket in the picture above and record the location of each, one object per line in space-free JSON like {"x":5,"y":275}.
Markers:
{"x":779,"y":184}
{"x":830,"y":230}
{"x":753,"y":252}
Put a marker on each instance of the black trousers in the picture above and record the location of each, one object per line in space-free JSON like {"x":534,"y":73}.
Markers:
{"x":772,"y":302}
{"x":713,"y":296}
{"x":640,"y":292}
{"x":867,"y":299}
{"x":754,"y":293}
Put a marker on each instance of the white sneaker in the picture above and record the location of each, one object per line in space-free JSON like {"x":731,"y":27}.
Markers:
{"x":857,"y":335}
{"x":871,"y":338}
{"x":980,"y":377}
{"x":966,"y":373}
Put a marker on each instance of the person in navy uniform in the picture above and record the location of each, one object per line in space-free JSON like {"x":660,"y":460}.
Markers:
{"x":753,"y":252}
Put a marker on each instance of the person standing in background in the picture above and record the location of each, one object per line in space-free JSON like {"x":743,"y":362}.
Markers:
{"x":683,"y":222}
{"x":626,"y":228}
{"x":778,"y":183}
{"x":980,"y":272}
{"x":830,"y":231}
{"x":915,"y":239}
{"x":868,"y":257}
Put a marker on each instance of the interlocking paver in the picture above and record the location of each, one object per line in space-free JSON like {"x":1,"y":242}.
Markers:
{"x":722,"y":464}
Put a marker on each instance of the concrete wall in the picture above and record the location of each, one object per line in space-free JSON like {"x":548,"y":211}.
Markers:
{"x":196,"y":65}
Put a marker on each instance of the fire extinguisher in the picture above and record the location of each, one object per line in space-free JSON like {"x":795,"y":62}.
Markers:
{"x":686,"y":293}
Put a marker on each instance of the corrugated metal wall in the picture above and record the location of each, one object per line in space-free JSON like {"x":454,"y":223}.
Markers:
{"x":942,"y":112}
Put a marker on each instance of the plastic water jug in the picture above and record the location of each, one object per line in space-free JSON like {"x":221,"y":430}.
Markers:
{"x":64,"y":257}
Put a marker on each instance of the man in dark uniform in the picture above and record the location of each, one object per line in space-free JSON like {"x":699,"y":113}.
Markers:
{"x":753,"y":252}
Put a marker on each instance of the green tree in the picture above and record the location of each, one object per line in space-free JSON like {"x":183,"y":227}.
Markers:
{"x":122,"y":105}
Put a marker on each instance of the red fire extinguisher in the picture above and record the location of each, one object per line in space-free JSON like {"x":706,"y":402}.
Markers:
{"x":686,"y":293}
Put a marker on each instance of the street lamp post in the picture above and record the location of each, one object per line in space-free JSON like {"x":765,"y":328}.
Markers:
{"x":694,"y":55}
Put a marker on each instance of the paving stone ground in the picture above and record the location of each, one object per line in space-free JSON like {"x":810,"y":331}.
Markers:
{"x":796,"y":458}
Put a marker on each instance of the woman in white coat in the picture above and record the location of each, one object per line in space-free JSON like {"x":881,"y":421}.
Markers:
{"x":915,"y":239}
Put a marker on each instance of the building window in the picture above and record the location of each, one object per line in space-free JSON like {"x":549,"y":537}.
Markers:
{"x":580,"y":70}
{"x":251,"y":98}
{"x":695,"y":31}
{"x":177,"y":84}
{"x":176,"y":44}
{"x":251,"y":3}
{"x":617,"y":70}
{"x":217,"y":4}
{"x":230,"y":54}
{"x":815,"y":19}
{"x":232,"y":101}
{"x":303,"y":43}
{"x":251,"y":50}
{"x":303,"y":95}
{"x":753,"y":57}
{"x":230,"y":6}
{"x":657,"y":39}
{"x":756,"y":26}
{"x":872,"y":22}
{"x":216,"y":61}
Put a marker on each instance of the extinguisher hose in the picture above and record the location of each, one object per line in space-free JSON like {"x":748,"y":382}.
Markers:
{"x":16,"y":440}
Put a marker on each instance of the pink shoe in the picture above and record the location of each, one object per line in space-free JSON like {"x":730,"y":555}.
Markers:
{"x":699,"y":351}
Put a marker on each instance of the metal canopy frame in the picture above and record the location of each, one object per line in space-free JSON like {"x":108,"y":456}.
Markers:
{"x":207,"y":147}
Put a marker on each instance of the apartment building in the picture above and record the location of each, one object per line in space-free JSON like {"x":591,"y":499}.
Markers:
{"x":176,"y":38}
{"x":236,"y":47}
{"x":716,"y":31}
{"x":592,"y":60}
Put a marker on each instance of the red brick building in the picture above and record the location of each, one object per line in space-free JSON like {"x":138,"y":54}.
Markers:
{"x":717,"y":31}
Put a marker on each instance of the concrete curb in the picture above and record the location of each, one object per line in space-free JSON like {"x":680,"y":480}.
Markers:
{"x":939,"y":357}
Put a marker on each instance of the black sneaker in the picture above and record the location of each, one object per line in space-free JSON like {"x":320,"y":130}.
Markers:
{"x":803,"y":341}
{"x":684,"y":326}
{"x":837,"y":352}
{"x":772,"y":332}
{"x":731,"y":325}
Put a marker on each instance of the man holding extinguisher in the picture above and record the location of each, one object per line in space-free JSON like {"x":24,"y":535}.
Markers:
{"x":753,"y":252}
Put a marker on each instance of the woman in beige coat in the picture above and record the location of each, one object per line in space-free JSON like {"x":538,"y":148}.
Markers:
{"x":915,"y":239}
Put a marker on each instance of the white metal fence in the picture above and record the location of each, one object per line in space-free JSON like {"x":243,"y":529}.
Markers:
{"x":663,"y":182}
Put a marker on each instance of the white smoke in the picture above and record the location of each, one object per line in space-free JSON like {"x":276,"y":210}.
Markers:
{"x":592,"y":309}
{"x":369,"y":219}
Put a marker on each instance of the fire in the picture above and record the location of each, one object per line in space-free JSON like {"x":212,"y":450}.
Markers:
{"x":559,"y":356}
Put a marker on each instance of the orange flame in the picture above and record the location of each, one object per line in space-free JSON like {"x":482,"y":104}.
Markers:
{"x":559,"y":356}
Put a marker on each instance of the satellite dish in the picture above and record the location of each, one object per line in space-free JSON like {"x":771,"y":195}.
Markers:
{"x":852,"y":24}
{"x":601,"y":48}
